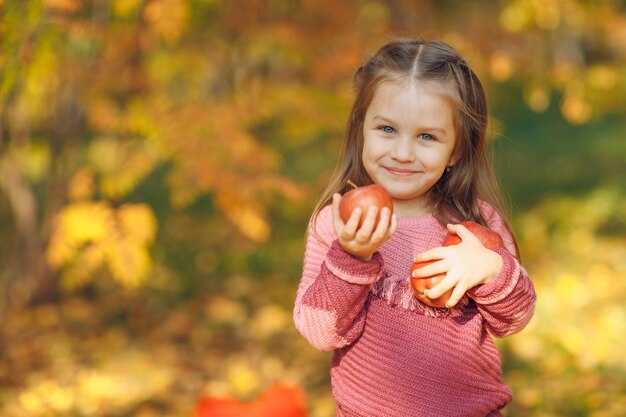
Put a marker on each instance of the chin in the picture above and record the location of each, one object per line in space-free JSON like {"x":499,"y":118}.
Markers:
{"x":400,"y":190}
{"x":401,"y":197}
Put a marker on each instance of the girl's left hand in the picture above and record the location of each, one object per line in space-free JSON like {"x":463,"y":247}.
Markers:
{"x":465,"y":265}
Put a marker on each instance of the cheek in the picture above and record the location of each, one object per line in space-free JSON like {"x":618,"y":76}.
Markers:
{"x":368,"y":160}
{"x":433,"y":160}
{"x":371,"y":150}
{"x":372,"y":153}
{"x":438,"y":158}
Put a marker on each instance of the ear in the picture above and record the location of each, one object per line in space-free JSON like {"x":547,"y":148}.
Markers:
{"x":456,"y":154}
{"x":453,"y":160}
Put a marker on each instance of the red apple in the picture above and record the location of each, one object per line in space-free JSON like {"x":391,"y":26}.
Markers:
{"x":489,"y":239}
{"x":421,"y":284}
{"x":364,"y":197}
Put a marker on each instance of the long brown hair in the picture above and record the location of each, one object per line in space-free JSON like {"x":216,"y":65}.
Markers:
{"x":455,"y":197}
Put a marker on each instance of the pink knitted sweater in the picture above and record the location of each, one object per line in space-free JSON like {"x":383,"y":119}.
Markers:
{"x":393,"y":355}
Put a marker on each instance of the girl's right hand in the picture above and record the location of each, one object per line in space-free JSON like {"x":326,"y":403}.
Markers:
{"x":363,"y":241}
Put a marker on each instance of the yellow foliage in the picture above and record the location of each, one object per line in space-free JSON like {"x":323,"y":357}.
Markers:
{"x":129,"y":376}
{"x":223,"y":309}
{"x":82,"y":185}
{"x":230,"y":137}
{"x":603,"y":77}
{"x":516,"y":16}
{"x":103,"y":114}
{"x":48,"y":395}
{"x":168,"y":18}
{"x":128,"y":260}
{"x":500,"y":66}
{"x":576,"y":275}
{"x":570,"y":291}
{"x":63,"y":5}
{"x":242,"y":378}
{"x":80,"y":272}
{"x":520,"y":14}
{"x":32,"y":158}
{"x":41,"y":84}
{"x":268,"y":321}
{"x":137,"y":221}
{"x":78,"y":224}
{"x":547,"y":13}
{"x":246,"y":217}
{"x":137,"y":165}
{"x":121,"y":165}
{"x":537,"y":98}
{"x":373,"y":17}
{"x":120,"y":381}
{"x":575,"y":108}
{"x":90,"y":235}
{"x":125,"y":8}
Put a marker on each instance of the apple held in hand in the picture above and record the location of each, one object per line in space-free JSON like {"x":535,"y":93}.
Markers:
{"x":364,"y":198}
{"x":489,"y":239}
{"x":419,"y":285}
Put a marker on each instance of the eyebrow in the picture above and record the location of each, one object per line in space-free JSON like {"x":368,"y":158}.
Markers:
{"x":426,"y":129}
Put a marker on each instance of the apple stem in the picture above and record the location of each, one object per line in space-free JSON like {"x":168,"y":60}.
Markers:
{"x":353,"y":185}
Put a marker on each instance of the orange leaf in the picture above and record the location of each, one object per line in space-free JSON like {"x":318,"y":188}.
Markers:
{"x":246,"y":216}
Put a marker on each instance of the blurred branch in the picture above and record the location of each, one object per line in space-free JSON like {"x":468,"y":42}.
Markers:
{"x":27,"y":262}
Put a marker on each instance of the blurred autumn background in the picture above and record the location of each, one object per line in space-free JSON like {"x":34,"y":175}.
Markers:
{"x":159,"y":160}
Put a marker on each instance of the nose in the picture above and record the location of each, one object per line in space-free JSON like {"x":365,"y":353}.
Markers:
{"x":403,"y":149}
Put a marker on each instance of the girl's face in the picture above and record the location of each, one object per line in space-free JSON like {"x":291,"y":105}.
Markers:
{"x":409,"y":139}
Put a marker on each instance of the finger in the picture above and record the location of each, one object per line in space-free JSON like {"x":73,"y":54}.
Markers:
{"x":365,"y":231}
{"x":457,"y":294}
{"x":452,"y":227}
{"x":349,"y":230}
{"x":431,"y":254}
{"x":429,"y":270}
{"x":383,"y":225}
{"x":337,"y":221}
{"x":392,"y":228}
{"x":441,"y":288}
{"x":462,"y":231}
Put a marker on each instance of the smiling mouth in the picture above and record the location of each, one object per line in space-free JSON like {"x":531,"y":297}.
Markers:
{"x":400,"y":172}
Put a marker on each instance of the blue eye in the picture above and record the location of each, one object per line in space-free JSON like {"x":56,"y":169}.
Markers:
{"x":426,"y":136}
{"x":387,"y":129}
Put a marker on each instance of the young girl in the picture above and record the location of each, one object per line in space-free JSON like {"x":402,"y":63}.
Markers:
{"x":417,"y":128}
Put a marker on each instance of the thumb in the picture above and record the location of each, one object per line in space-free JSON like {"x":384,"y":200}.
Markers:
{"x":337,"y":222}
{"x":462,"y":232}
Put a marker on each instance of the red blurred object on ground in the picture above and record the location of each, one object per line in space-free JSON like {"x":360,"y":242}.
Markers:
{"x":279,"y":400}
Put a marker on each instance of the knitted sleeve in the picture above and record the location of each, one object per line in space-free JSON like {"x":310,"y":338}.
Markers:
{"x":330,"y":303}
{"x":508,"y":302}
